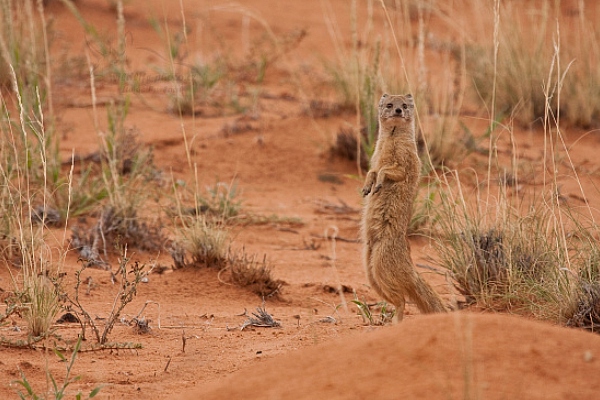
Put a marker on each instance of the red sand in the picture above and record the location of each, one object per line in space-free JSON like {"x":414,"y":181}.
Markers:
{"x":279,"y":161}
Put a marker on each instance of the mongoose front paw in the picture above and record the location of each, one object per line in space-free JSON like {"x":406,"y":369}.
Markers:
{"x":377,"y":188}
{"x":366,"y":190}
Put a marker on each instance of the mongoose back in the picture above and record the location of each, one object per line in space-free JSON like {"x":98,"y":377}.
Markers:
{"x":390,"y":189}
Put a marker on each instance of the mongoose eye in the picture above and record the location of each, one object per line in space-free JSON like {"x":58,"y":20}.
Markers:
{"x":404,"y":106}
{"x":389,"y":105}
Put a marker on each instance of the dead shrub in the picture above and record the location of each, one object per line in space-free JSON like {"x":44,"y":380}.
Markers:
{"x":346,"y":147}
{"x":261,"y":319}
{"x":583,"y":306}
{"x":113,"y":230}
{"x":128,"y":228}
{"x":586,"y":311}
{"x":130,"y":276}
{"x":324,"y":109}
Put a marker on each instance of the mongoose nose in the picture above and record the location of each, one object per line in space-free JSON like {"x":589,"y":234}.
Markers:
{"x":398,"y":111}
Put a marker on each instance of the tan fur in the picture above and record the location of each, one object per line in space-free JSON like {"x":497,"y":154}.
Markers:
{"x":390,"y":189}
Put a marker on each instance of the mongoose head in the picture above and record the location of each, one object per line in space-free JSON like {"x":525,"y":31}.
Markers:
{"x":396,"y":111}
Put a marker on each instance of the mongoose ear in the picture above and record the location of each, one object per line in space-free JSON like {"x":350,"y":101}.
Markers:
{"x":409,"y":98}
{"x":385,"y":95}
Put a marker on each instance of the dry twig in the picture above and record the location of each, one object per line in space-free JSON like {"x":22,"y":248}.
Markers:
{"x":261,"y":319}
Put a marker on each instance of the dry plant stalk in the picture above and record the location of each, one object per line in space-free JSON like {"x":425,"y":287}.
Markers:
{"x":130,"y":279}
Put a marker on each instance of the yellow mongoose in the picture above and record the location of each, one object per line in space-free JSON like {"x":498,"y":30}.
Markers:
{"x":389,"y":191}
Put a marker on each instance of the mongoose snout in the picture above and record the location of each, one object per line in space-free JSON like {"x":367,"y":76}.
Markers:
{"x":399,"y":111}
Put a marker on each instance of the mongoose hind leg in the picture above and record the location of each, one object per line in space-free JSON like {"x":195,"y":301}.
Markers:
{"x":399,"y":314}
{"x":391,"y":292}
{"x":392,"y":297}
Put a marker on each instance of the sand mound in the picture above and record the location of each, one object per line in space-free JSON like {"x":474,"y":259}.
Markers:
{"x":430,"y":357}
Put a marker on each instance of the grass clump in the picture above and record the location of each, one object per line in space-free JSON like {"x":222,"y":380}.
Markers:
{"x":124,"y":226}
{"x":221,"y":200}
{"x":532,"y":257}
{"x":201,"y":243}
{"x":500,"y":255}
{"x":583,"y":308}
{"x":260,"y":319}
{"x":518,"y":77}
{"x":248,"y":272}
{"x":36,"y":286}
{"x":41,"y":299}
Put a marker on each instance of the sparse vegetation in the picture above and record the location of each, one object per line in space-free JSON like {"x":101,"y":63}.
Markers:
{"x":423,"y":219}
{"x":201,"y":243}
{"x":248,"y":272}
{"x":260,"y":319}
{"x":369,"y":317}
{"x":359,"y":80}
{"x":497,"y":255}
{"x":114,"y":230}
{"x":508,"y":243}
{"x":221,"y":200}
{"x":130,"y":277}
{"x":226,"y":83}
{"x":41,"y":301}
{"x":514,"y":251}
{"x":346,"y":147}
{"x":58,"y":391}
{"x":520,"y":77}
{"x":582,"y":308}
{"x":29,"y":169}
{"x":371,"y":67}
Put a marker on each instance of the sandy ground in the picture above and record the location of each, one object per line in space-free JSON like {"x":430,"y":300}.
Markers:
{"x":280,"y":161}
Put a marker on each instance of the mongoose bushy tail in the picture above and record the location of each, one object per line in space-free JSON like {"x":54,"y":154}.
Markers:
{"x":390,"y":189}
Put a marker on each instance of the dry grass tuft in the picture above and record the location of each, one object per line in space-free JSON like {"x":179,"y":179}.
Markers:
{"x":42,"y":303}
{"x":346,"y":147}
{"x":533,"y":54}
{"x":201,"y":243}
{"x":246,"y":271}
{"x":502,"y":256}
